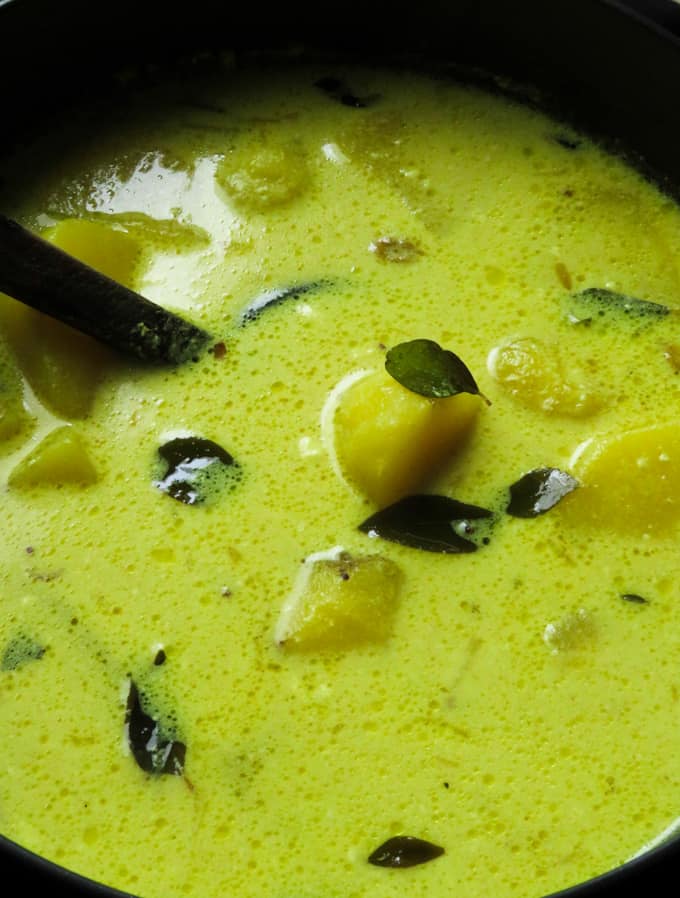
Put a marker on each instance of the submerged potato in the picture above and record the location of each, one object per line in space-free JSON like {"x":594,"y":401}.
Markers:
{"x":533,"y":373}
{"x":13,"y":415}
{"x":259,"y":175}
{"x":112,"y":252}
{"x":63,"y":366}
{"x":59,"y":458}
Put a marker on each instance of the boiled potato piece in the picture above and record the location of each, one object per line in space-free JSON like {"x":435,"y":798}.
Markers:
{"x":576,"y":630}
{"x":63,"y":366}
{"x":532,"y":372}
{"x":263,"y":174}
{"x":390,"y":441}
{"x":13,"y":416}
{"x":629,"y":482}
{"x":59,"y":458}
{"x":112,"y":252}
{"x":340,"y":601}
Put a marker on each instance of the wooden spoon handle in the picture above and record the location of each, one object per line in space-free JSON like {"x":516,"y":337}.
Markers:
{"x":42,"y":276}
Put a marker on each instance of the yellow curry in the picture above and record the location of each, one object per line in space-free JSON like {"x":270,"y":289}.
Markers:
{"x":380,"y":592}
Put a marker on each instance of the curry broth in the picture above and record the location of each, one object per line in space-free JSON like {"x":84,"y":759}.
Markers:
{"x":521,"y":713}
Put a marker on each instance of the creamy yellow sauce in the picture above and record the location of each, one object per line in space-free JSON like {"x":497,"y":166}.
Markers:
{"x":520,"y":713}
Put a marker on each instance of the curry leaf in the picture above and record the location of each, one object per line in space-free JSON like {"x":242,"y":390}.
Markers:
{"x":598,"y":302}
{"x":423,"y":367}
{"x":539,"y":491}
{"x":195,"y":469}
{"x":404,"y":851}
{"x":634,"y":598}
{"x":431,"y":523}
{"x":153,"y":751}
{"x":277,"y":295}
{"x":567,"y":141}
{"x":337,"y":89}
{"x":19,"y":651}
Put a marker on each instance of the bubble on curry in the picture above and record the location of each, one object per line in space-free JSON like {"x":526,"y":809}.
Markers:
{"x":234,"y":657}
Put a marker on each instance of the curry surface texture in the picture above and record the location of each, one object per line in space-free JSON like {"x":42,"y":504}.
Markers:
{"x":315,"y":689}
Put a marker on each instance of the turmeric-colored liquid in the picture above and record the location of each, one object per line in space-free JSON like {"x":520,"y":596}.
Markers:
{"x":517,"y":705}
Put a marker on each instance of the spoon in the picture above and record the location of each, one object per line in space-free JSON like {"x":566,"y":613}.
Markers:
{"x":39,"y":274}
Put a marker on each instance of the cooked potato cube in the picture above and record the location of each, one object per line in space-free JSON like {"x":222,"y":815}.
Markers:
{"x":532,"y":372}
{"x":629,"y":482}
{"x":63,"y":366}
{"x":60,"y":457}
{"x":259,"y":176}
{"x":112,"y":252}
{"x":390,"y":441}
{"x":574,"y":631}
{"x":340,"y":602}
{"x":13,"y":416}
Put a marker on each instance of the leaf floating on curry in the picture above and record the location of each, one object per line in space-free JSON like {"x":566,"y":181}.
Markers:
{"x":598,"y":303}
{"x":423,"y":367}
{"x":20,"y":650}
{"x":404,"y":851}
{"x":153,"y":750}
{"x":634,"y":598}
{"x":431,"y":523}
{"x":538,"y":491}
{"x":337,"y":89}
{"x":270,"y":298}
{"x":196,"y":469}
{"x":567,"y":141}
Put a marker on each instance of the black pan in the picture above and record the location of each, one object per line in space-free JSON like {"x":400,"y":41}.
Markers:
{"x":612,"y":68}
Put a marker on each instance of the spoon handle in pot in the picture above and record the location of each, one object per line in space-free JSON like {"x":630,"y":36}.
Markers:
{"x":39,"y":274}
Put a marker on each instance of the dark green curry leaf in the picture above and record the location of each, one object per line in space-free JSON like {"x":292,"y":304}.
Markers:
{"x":600,"y":303}
{"x":539,"y":491}
{"x":634,"y":598}
{"x":338,"y":90}
{"x":423,"y":367}
{"x":431,"y":523}
{"x":151,"y":748}
{"x":567,"y":141}
{"x":404,"y":851}
{"x":196,"y":469}
{"x":270,"y":298}
{"x":20,"y":650}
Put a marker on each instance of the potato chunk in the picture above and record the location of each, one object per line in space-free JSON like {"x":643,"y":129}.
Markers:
{"x":390,"y":441}
{"x":574,"y":631}
{"x":60,"y":457}
{"x":261,"y":175}
{"x":629,"y":482}
{"x":112,"y":252}
{"x":63,"y":366}
{"x":533,"y":373}
{"x":13,"y":416}
{"x":339,"y":602}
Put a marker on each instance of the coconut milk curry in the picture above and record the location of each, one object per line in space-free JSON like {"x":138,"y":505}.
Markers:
{"x":380,"y":593}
